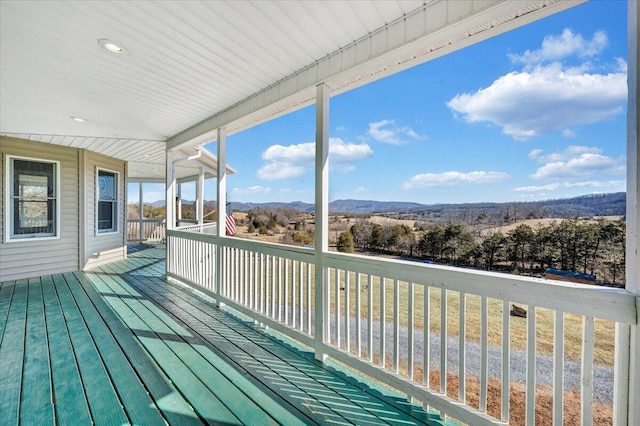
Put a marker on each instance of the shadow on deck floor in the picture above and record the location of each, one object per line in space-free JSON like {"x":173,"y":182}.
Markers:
{"x":121,"y":345}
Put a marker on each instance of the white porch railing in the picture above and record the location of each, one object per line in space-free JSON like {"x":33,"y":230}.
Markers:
{"x":396,"y":321}
{"x":152,"y":230}
{"x":210,"y":228}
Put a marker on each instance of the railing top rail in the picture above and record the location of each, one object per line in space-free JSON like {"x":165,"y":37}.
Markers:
{"x":594,"y":301}
{"x":600,"y":302}
{"x":302,"y":254}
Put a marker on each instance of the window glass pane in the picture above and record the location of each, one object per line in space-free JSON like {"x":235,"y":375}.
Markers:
{"x":33,"y":199}
{"x":106,"y":186}
{"x":33,"y":179}
{"x":32,"y":186}
{"x":107,"y":201}
{"x":34,"y":217}
{"x":106,"y":216}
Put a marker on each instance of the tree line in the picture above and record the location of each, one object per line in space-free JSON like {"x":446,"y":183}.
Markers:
{"x":590,"y":247}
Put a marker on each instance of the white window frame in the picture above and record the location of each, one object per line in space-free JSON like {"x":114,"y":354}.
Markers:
{"x":9,"y":200}
{"x":116,"y":211}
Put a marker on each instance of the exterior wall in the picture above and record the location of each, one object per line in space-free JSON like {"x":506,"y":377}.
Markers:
{"x":103,"y":248}
{"x":79,"y":245}
{"x":22,"y":259}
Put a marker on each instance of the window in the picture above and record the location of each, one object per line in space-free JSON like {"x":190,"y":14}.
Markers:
{"x":107,"y":201}
{"x":32,"y":198}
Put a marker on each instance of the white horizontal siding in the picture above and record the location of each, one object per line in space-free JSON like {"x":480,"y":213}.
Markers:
{"x":103,"y":248}
{"x":24,"y":259}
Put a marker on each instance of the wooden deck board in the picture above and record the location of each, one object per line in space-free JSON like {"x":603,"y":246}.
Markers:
{"x":121,"y":345}
{"x":12,"y":354}
{"x":180,"y":342}
{"x":276,"y":372}
{"x":246,"y":391}
{"x":320,"y":384}
{"x":36,"y":400}
{"x":68,"y":393}
{"x":156,"y":337}
{"x":101,"y":395}
{"x":139,"y":406}
{"x":174,"y":407}
{"x":6,"y":294}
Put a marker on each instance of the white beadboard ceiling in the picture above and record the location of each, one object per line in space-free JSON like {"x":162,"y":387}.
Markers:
{"x":191,"y":66}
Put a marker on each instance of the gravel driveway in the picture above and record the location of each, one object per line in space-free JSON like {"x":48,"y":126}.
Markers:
{"x":602,"y":376}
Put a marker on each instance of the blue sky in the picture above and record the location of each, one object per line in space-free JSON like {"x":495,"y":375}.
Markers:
{"x":536,"y":113}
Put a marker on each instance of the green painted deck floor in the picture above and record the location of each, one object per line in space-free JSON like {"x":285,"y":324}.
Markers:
{"x":121,"y":345}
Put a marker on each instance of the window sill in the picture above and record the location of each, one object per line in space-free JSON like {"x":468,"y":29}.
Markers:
{"x":30,"y":239}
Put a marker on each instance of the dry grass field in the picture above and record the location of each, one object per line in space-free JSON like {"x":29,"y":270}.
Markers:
{"x":544,"y":317}
{"x":535,"y":223}
{"x":573,"y":324}
{"x":573,"y":328}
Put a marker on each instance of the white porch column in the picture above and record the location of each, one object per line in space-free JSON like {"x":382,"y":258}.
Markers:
{"x":322,"y":215}
{"x":222,"y":181}
{"x":200,"y":197}
{"x":633,"y":207}
{"x":222,"y":204}
{"x":140,"y":212}
{"x":179,"y":203}
{"x":170,"y":201}
{"x":627,"y":373}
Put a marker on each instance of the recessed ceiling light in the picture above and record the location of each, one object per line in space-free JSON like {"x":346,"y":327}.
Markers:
{"x":112,"y":46}
{"x":78,"y":119}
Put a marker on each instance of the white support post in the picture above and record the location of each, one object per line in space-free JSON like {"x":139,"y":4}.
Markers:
{"x":140,"y":212}
{"x":322,"y":214}
{"x":170,"y":201}
{"x":200,"y":197}
{"x":222,"y":204}
{"x":179,"y":203}
{"x":633,"y":206}
{"x":627,"y":366}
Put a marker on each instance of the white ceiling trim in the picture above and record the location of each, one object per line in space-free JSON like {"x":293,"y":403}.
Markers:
{"x":146,"y":158}
{"x":121,"y":148}
{"x":435,"y":29}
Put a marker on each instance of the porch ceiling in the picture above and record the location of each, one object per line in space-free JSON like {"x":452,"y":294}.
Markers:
{"x":192,"y":66}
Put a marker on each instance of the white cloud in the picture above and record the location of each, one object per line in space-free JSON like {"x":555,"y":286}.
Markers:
{"x":568,"y":169}
{"x":571,"y":152}
{"x":583,"y":165}
{"x":281,"y":170}
{"x":597,"y":184}
{"x":535,"y":153}
{"x":452,"y":178}
{"x":341,"y":152}
{"x":550,"y":187}
{"x":528,"y":104}
{"x":547,"y":96}
{"x":384,"y":131}
{"x":622,"y":65}
{"x":584,"y":184}
{"x":252,"y":190}
{"x":567,"y":44}
{"x":284,"y":162}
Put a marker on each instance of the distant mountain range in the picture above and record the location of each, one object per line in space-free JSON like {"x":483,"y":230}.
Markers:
{"x":613,"y":204}
{"x":587,"y":205}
